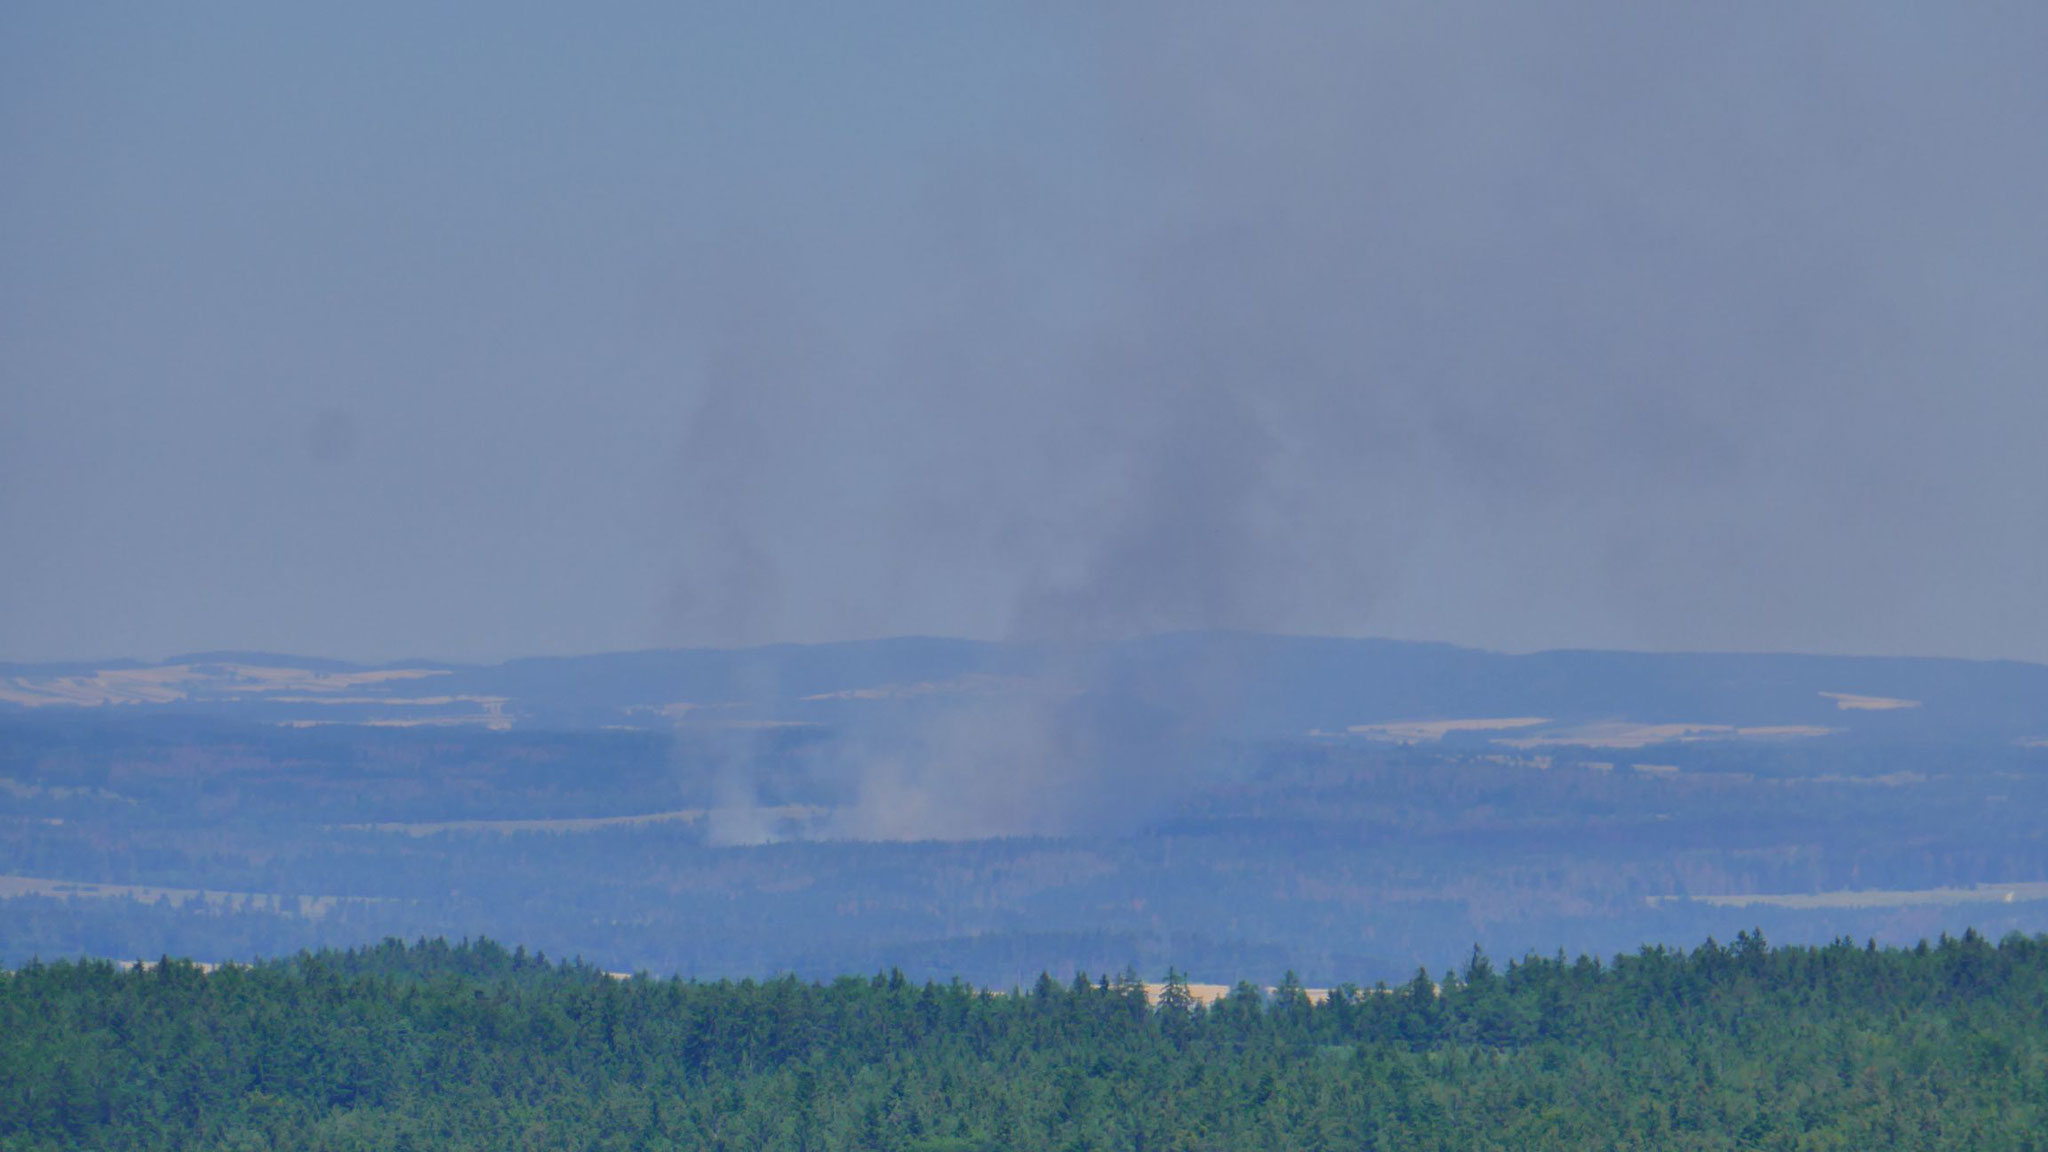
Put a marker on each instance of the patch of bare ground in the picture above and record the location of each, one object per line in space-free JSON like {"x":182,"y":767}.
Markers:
{"x":1207,"y":994}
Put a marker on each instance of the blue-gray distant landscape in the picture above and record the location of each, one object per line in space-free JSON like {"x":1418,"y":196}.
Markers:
{"x":1156,"y":575}
{"x":1226,"y":802}
{"x":988,"y":489}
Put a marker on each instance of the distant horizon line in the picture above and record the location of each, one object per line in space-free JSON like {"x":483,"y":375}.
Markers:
{"x":247,"y":655}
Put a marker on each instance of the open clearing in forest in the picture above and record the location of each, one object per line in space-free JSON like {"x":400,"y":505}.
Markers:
{"x":1207,"y":994}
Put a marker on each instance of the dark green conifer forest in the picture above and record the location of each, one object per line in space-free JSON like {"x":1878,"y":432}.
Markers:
{"x":472,"y":1045}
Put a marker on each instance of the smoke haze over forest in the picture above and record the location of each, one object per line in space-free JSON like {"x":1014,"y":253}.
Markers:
{"x":389,"y":331}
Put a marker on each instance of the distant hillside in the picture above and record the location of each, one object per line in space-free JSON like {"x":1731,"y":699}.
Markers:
{"x":1248,"y":685}
{"x":1229,"y":804}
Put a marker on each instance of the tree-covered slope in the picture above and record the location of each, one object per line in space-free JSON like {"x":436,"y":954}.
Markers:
{"x":472,"y":1046}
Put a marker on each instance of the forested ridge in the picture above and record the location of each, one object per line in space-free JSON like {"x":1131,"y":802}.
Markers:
{"x":1345,"y":859}
{"x":438,"y":1045}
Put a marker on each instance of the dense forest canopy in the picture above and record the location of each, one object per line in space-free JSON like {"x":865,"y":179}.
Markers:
{"x":472,"y":1045}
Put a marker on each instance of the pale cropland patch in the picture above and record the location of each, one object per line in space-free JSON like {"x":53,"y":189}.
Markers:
{"x":21,"y":791}
{"x":148,"y":965}
{"x":173,"y":682}
{"x":396,"y":701}
{"x":1875,"y":898}
{"x":1422,"y":731}
{"x":1851,"y":702}
{"x":971,"y":683}
{"x":312,"y":907}
{"x":1207,"y":994}
{"x":1623,"y":734}
{"x":798,"y":812}
{"x":490,"y":712}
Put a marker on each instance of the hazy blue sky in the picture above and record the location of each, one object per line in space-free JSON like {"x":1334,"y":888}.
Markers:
{"x":381,"y":330}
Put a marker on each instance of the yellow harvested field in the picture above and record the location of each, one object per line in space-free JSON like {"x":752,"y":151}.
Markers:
{"x":312,"y":907}
{"x":1207,"y":994}
{"x":1876,"y":898}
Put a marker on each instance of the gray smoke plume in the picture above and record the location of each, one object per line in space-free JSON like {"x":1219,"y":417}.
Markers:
{"x":1493,"y":322}
{"x":1587,"y":323}
{"x":1578,"y":324}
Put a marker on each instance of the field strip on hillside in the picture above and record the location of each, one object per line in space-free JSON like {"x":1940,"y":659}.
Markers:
{"x":170,"y":683}
{"x":578,"y":823}
{"x":1876,"y":898}
{"x":1852,"y":702}
{"x":23,"y":791}
{"x":972,"y":682}
{"x":311,"y":907}
{"x":1626,"y":734}
{"x":1429,"y":731}
{"x":493,"y":721}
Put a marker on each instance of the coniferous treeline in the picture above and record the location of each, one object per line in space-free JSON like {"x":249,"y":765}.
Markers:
{"x":473,"y":1046}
